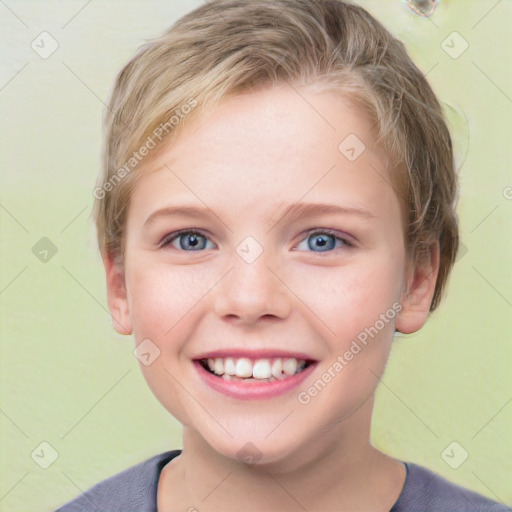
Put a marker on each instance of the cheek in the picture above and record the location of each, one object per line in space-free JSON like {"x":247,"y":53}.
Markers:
{"x":349,"y":298}
{"x":163,"y":297}
{"x":165,"y":305}
{"x":359,"y":304}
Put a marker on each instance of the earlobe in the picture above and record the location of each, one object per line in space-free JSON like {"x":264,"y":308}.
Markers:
{"x":117,"y":296}
{"x":417,"y":297}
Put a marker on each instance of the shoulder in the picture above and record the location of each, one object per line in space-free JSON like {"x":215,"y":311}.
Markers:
{"x":133,"y":490}
{"x":425,"y":491}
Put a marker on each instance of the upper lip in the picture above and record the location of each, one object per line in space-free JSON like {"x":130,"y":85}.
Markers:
{"x":254,"y":354}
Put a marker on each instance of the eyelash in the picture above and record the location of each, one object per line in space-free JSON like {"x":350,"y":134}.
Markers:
{"x":171,"y":237}
{"x":346,"y":242}
{"x":168,"y":239}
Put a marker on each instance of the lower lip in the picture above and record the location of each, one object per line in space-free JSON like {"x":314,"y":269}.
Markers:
{"x":253,"y":390}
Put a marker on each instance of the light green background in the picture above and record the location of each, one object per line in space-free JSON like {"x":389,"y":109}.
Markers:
{"x":68,"y":379}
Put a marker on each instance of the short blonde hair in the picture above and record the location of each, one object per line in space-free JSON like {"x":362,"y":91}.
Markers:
{"x":228,"y":47}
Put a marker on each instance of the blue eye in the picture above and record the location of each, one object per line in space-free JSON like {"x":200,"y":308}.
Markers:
{"x":189,"y":241}
{"x":322,"y":241}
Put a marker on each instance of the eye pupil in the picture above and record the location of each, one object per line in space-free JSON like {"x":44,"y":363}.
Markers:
{"x":191,"y":241}
{"x":321,"y":242}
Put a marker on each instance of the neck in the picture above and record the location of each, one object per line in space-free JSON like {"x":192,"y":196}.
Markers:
{"x":337,"y":469}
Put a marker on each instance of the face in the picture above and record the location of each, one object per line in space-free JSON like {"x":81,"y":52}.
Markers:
{"x":265,"y":268}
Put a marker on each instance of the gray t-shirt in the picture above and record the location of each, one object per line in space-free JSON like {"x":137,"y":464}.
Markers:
{"x":134,"y":490}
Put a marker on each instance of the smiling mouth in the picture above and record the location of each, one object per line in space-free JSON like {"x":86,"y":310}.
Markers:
{"x":254,"y":370}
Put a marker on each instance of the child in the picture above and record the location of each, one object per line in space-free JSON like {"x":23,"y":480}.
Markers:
{"x":277,"y":199}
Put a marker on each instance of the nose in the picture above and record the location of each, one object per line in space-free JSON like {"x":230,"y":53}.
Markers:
{"x":251,"y":292}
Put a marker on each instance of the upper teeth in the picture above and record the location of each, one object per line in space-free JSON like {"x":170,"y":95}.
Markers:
{"x":244,"y":367}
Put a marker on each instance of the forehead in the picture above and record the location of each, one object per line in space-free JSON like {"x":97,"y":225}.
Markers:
{"x":261,"y":151}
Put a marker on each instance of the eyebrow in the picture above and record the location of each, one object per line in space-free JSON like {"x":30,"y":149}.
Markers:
{"x":299,"y":210}
{"x":296,"y":210}
{"x":184,"y":211}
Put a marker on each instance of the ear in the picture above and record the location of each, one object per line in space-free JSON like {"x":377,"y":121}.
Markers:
{"x":417,"y":297}
{"x":117,"y":296}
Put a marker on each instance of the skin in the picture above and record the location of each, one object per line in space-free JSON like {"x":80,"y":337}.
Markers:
{"x":247,"y":161}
